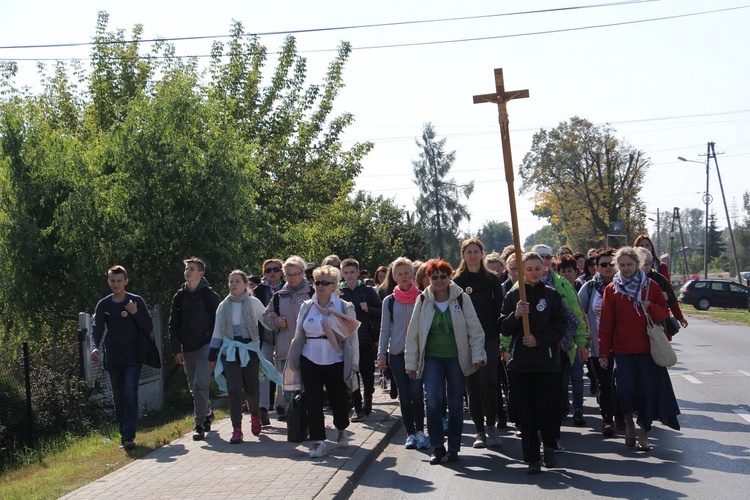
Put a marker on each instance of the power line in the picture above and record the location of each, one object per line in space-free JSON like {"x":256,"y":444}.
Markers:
{"x":333,"y":28}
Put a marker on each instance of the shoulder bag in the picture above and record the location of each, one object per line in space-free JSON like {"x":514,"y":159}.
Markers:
{"x":661,"y":349}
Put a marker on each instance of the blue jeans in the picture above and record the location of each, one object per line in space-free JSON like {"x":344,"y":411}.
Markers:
{"x":576,"y":380}
{"x":440,"y":373}
{"x":410,"y":395}
{"x":124,"y":375}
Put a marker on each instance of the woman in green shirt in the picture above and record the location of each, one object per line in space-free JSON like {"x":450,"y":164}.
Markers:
{"x":444,"y":344}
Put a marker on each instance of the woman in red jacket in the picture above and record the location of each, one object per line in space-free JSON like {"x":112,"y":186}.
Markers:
{"x":641,"y":385}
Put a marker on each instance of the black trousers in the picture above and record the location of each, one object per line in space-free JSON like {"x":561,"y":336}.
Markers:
{"x":482,"y":387}
{"x":538,"y":396}
{"x":366,"y":373}
{"x":314,"y":377}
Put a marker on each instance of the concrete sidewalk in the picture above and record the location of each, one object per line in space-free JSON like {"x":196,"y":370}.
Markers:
{"x":264,"y":466}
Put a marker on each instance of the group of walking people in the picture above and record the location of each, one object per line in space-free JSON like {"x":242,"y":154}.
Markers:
{"x":448,"y":339}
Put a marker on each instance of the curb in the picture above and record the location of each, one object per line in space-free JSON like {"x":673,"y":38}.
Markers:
{"x":343,"y":482}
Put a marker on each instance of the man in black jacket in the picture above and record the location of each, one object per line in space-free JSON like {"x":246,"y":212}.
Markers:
{"x":367,"y":305}
{"x":191,"y":325}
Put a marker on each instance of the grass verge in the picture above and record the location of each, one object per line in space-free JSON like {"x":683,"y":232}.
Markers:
{"x":738,"y":316}
{"x":71,"y":462}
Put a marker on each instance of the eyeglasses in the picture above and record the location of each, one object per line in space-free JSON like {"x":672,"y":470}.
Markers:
{"x":606,"y":264}
{"x":270,"y":270}
{"x":324,"y":283}
{"x":294,"y":275}
{"x":438,"y":276}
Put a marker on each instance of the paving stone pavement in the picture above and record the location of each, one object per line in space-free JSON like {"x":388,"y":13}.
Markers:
{"x":265,"y":466}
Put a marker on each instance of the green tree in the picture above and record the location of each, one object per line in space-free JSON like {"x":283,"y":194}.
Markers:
{"x":585,"y":181}
{"x":495,"y":236}
{"x":547,"y":235}
{"x":438,"y":208}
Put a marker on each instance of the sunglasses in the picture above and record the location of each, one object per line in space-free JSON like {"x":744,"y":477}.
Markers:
{"x":438,"y":276}
{"x":270,"y":270}
{"x":606,"y":264}
{"x":324,"y":283}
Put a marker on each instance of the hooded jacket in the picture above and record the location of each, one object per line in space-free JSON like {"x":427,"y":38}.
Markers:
{"x":191,"y":322}
{"x":290,"y":302}
{"x":466,"y":329}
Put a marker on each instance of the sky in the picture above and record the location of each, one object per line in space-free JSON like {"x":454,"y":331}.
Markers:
{"x":668,"y":75}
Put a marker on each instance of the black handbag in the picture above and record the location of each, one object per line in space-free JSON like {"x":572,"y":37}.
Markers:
{"x":148,"y":353}
{"x":671,"y":325}
{"x":297,"y":428}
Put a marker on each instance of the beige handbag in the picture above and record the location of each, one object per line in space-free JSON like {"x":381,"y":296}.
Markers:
{"x":661,"y":349}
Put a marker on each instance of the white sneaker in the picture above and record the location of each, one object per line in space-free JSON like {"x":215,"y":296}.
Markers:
{"x":342,"y":440}
{"x":318,"y":449}
{"x":493,"y":439}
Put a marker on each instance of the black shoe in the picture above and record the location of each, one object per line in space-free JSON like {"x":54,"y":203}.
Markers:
{"x":592,"y":388}
{"x":264,"y":420}
{"x":437,"y":455}
{"x":578,"y":419}
{"x":453,"y":456}
{"x":281,"y":414}
{"x":367,"y":407}
{"x":394,"y":391}
{"x":209,"y":420}
{"x":502,"y":419}
{"x":198,"y":433}
{"x":534,"y":468}
{"x":550,"y":460}
{"x":128,"y":444}
{"x":357,"y":416}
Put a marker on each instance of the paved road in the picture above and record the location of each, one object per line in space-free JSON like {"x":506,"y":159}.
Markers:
{"x":709,"y":457}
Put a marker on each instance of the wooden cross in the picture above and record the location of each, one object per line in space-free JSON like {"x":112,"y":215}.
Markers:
{"x":501,"y":97}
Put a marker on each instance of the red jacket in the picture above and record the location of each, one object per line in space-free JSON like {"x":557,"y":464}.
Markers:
{"x":621,"y":329}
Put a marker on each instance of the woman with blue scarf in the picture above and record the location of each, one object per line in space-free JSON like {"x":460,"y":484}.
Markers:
{"x":234,"y":353}
{"x":641,"y":385}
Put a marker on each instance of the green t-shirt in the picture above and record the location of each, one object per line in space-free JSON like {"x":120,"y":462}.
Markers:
{"x":441,"y":343}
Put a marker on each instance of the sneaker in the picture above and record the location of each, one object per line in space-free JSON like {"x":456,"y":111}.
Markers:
{"x":480,"y":441}
{"x":264,"y":420}
{"x":356,"y":416}
{"x":255,"y":424}
{"x":128,"y":444}
{"x":422,"y":441}
{"x":411,"y":442}
{"x":281,"y":414}
{"x":318,"y":450}
{"x":198,"y":433}
{"x":493,"y":438}
{"x":550,"y":460}
{"x":534,"y":468}
{"x":342,"y":441}
{"x":608,"y":429}
{"x":236,"y":436}
{"x":209,"y":420}
{"x":578,"y":419}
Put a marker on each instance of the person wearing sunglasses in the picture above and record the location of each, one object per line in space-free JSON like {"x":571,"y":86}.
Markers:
{"x":324,"y":353}
{"x":590,"y":297}
{"x":444,"y":345}
{"x":281,"y":312}
{"x":272,"y":282}
{"x":533,"y":361}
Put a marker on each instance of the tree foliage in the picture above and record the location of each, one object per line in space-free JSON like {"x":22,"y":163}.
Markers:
{"x":438,"y":208}
{"x":495,"y":236}
{"x":584,"y":180}
{"x":144,"y":161}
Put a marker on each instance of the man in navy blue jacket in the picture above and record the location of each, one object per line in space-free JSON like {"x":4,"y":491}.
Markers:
{"x":125,"y":315}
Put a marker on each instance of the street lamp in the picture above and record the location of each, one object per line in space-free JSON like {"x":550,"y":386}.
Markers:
{"x":707,"y":200}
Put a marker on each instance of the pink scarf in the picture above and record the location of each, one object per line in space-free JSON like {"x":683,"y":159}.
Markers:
{"x":337,"y":325}
{"x":406,"y":297}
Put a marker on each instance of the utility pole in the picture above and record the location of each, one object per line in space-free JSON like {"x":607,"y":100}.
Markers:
{"x":726,"y":210}
{"x":686,"y":272}
{"x":707,"y":200}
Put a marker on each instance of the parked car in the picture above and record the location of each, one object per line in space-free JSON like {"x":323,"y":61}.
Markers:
{"x":703,"y":294}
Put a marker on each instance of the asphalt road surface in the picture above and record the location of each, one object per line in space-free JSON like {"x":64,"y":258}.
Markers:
{"x":708,"y":458}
